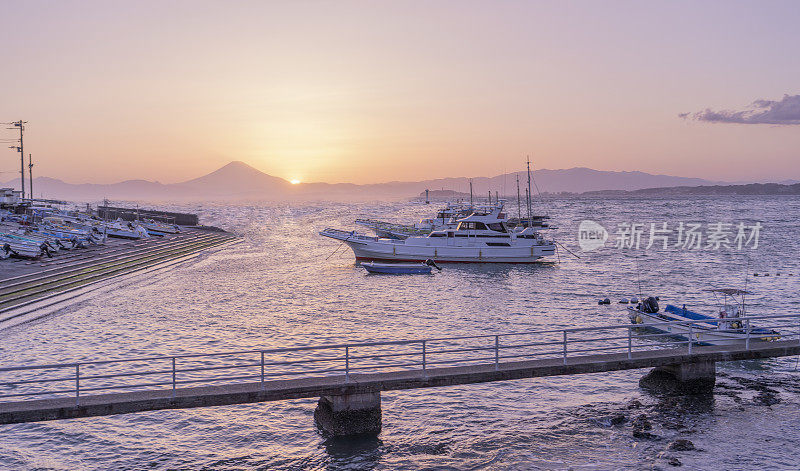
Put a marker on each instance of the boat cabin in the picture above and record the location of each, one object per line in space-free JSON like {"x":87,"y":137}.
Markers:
{"x":488,"y":227}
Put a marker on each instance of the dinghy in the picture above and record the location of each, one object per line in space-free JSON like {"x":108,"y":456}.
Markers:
{"x":401,"y":268}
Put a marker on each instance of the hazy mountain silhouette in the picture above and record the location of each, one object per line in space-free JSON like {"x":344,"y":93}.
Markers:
{"x":236,"y":178}
{"x":239,"y":181}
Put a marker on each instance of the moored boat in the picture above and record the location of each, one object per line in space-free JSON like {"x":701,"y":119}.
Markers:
{"x":478,"y":238}
{"x":400,"y":268}
{"x":729,"y":326}
{"x":446,"y":217}
{"x":158,"y":228}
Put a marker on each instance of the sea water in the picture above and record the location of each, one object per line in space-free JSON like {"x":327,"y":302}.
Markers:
{"x":284,"y":285}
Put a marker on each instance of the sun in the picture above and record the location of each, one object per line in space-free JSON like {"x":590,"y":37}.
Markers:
{"x":294,"y":182}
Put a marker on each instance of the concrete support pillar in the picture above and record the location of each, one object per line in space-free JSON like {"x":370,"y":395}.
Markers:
{"x":349,"y":414}
{"x":682,"y":378}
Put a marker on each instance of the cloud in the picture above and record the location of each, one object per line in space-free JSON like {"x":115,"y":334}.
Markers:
{"x":784,"y":111}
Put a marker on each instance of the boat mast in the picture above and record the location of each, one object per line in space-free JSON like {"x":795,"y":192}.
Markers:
{"x":470,"y":193}
{"x":527,"y":199}
{"x":530,"y":194}
{"x":519,"y":203}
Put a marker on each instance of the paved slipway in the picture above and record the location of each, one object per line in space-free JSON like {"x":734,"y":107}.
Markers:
{"x":28,"y":285}
{"x":276,"y":288}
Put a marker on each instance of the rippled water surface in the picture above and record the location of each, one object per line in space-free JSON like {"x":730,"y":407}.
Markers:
{"x":284,"y":285}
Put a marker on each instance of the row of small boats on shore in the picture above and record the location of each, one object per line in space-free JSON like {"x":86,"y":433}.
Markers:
{"x":46,"y":233}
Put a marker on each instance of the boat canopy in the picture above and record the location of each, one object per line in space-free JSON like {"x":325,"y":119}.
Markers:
{"x":729,"y":291}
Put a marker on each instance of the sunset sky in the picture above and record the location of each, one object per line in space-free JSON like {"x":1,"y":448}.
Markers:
{"x":376,"y":91}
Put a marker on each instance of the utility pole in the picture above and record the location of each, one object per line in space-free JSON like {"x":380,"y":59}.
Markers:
{"x":21,"y":149}
{"x":30,"y":173}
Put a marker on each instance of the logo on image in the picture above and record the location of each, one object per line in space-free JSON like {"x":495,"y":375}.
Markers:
{"x":591,"y":235}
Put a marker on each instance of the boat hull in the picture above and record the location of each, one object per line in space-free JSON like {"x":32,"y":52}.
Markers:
{"x":118,"y":234}
{"x":389,"y":252}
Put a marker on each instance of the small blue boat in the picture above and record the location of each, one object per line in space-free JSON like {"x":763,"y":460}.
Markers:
{"x":401,"y":268}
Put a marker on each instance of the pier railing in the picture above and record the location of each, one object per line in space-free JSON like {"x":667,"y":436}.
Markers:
{"x":81,"y":378}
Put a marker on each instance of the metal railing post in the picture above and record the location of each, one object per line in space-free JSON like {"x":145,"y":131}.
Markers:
{"x":496,"y":352}
{"x":565,"y":347}
{"x":173,"y":377}
{"x":424,"y":359}
{"x":346,"y":363}
{"x":747,"y":340}
{"x":690,"y":338}
{"x":77,"y":384}
{"x":630,"y":343}
{"x":262,"y":370}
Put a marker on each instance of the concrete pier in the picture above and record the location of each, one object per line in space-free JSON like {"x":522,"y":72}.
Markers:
{"x":682,"y":378}
{"x":349,"y":414}
{"x":352,"y":404}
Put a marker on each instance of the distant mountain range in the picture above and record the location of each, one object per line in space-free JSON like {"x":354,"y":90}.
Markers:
{"x":239,"y":181}
{"x":721,"y":190}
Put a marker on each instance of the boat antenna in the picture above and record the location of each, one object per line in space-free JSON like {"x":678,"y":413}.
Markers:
{"x":530,"y":195}
{"x":638,"y":280}
{"x":747,"y":270}
{"x":519,"y":203}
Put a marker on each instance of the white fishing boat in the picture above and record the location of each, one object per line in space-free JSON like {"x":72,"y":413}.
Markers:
{"x":22,"y":248}
{"x":478,"y":238}
{"x":724,"y":328}
{"x":446,"y":217}
{"x":38,"y":239}
{"x":118,"y":228}
{"x":159,"y":228}
{"x":77,"y":235}
{"x":84,"y":230}
{"x":124,"y":230}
